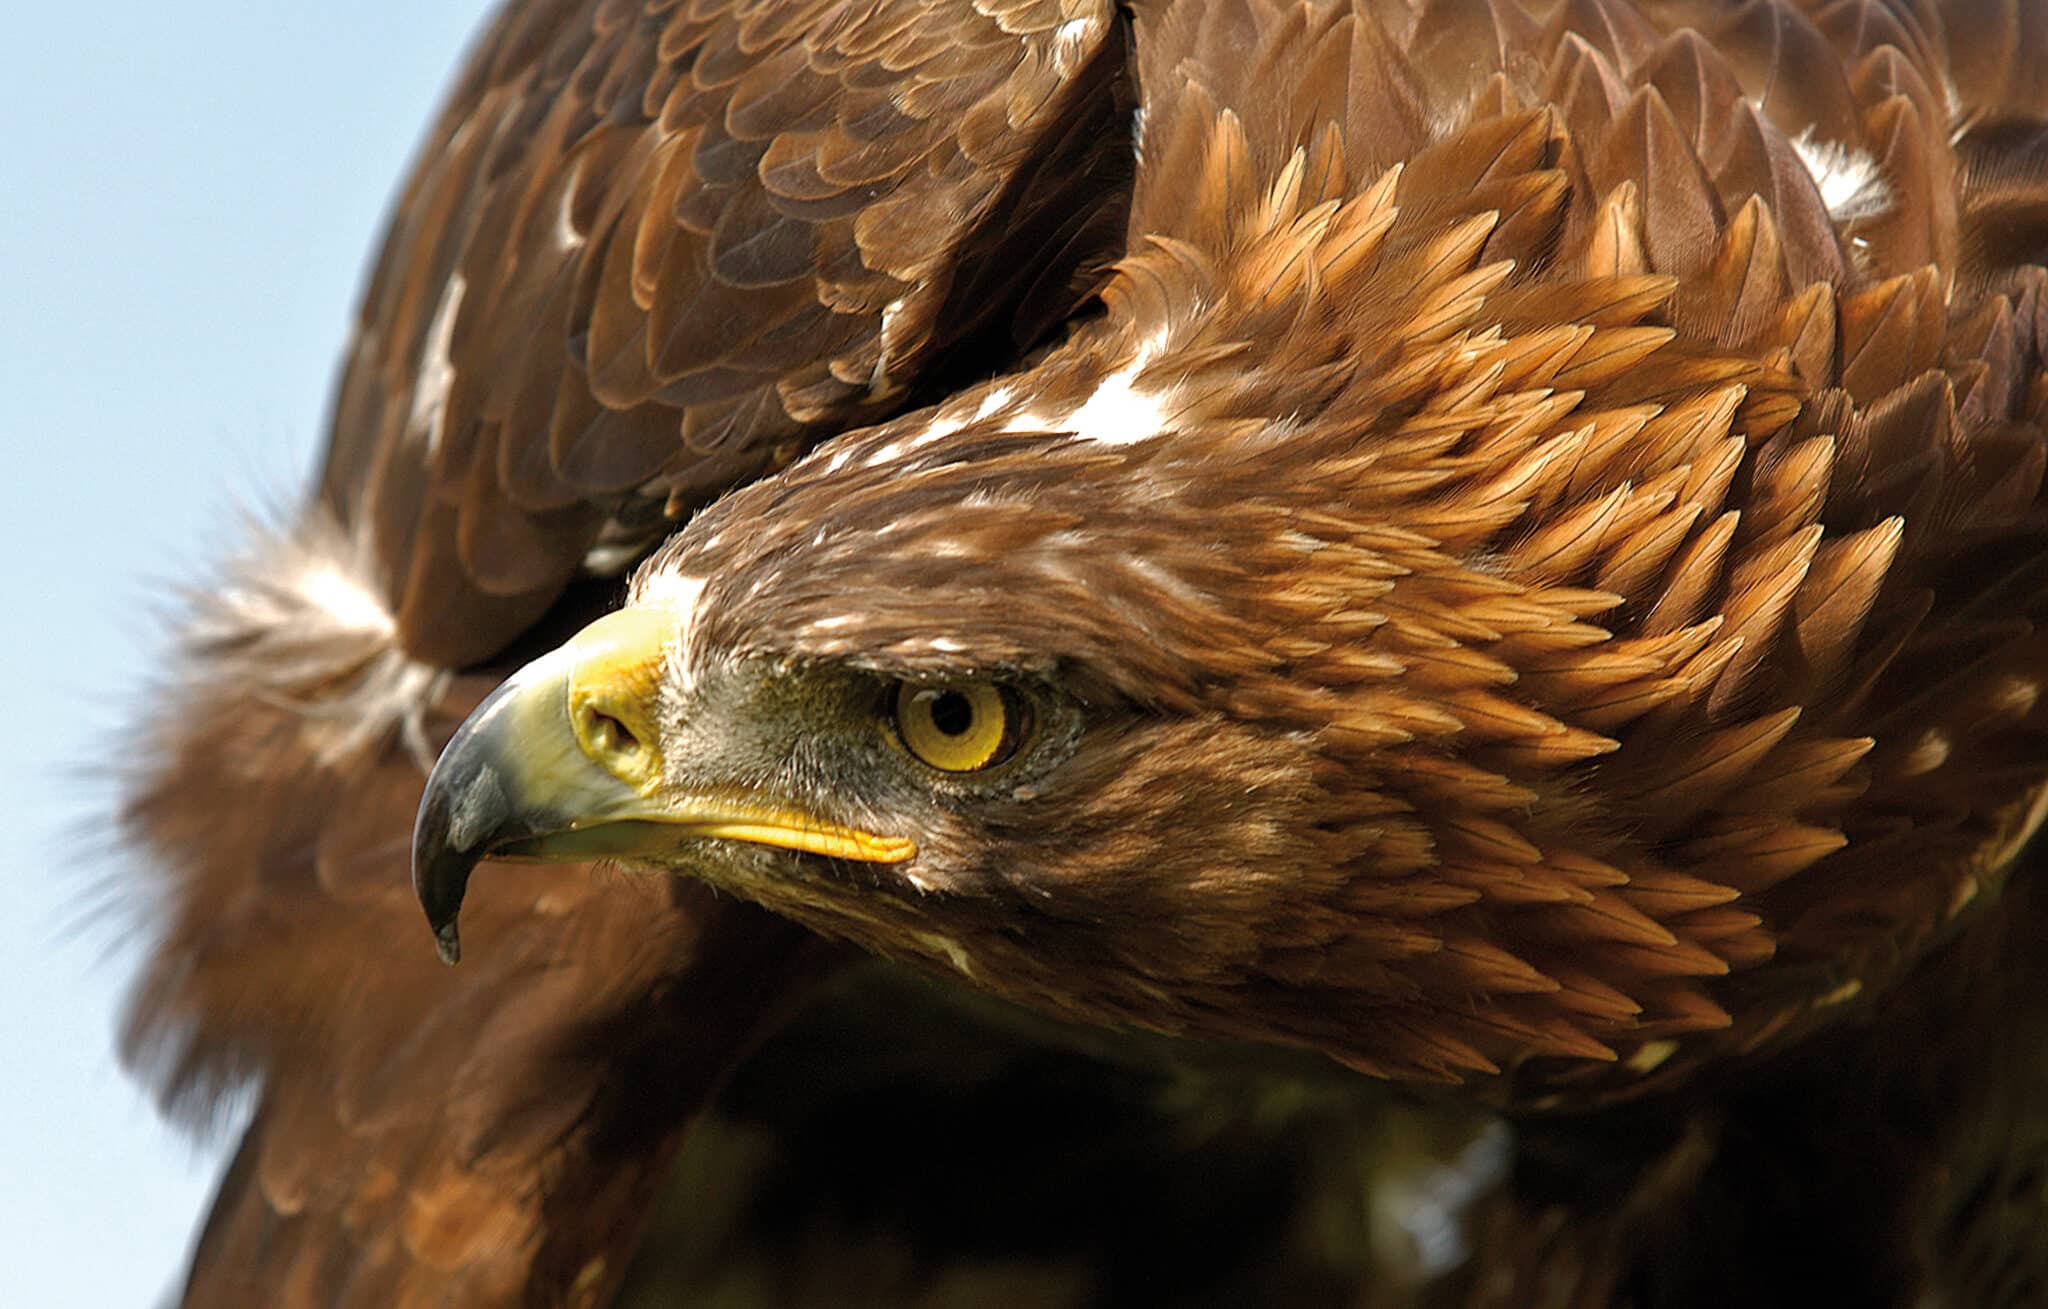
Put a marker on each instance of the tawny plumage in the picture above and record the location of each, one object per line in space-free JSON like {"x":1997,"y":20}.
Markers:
{"x":1499,"y":545}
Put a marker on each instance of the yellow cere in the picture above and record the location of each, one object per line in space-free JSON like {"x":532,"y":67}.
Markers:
{"x":613,"y":687}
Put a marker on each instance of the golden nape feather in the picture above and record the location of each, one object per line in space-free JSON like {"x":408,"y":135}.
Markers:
{"x":1498,"y":547}
{"x":1657,"y":518}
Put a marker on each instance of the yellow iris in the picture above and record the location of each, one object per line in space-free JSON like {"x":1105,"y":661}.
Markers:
{"x":955,"y":726}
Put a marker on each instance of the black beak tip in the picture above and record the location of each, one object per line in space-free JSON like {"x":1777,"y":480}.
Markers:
{"x":440,"y":875}
{"x":469,"y":807}
{"x":448,"y":944}
{"x":439,"y":882}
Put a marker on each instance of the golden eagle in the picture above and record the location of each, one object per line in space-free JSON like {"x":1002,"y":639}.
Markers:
{"x":1497,"y":544}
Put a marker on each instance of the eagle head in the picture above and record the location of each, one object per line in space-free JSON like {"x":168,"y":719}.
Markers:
{"x":998,"y":690}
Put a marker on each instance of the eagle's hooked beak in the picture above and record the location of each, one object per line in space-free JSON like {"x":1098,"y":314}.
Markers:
{"x":563,"y":763}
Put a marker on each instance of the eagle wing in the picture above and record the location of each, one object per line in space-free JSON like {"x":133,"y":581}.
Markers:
{"x":647,"y":253}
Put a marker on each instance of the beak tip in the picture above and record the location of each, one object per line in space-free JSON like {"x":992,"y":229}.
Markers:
{"x":440,"y":875}
{"x":440,"y":879}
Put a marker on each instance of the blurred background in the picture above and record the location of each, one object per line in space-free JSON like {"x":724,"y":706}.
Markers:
{"x":192,"y":192}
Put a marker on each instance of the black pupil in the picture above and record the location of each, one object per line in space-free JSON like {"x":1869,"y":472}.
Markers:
{"x":952,"y":713}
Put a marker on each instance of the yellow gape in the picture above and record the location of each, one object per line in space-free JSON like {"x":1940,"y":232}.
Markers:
{"x":956,"y":726}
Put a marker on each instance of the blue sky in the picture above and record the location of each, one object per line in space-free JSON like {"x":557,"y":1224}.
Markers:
{"x":192,"y":193}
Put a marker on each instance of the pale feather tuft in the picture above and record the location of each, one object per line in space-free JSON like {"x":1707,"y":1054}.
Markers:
{"x":300,"y":621}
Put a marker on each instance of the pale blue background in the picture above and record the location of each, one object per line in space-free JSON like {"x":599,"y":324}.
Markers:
{"x":188,"y":193}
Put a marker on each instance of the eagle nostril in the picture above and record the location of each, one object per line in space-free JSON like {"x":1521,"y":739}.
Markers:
{"x":611,"y":736}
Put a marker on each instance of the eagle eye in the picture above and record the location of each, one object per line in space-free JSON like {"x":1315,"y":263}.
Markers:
{"x":959,"y":727}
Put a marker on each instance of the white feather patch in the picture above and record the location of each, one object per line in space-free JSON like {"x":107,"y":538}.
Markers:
{"x":943,"y":422}
{"x":997,"y":397}
{"x":1121,"y":410}
{"x":567,"y":238}
{"x":1850,"y":182}
{"x":1069,"y":40}
{"x":677,"y":591}
{"x":436,"y":371}
{"x":891,"y":343}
